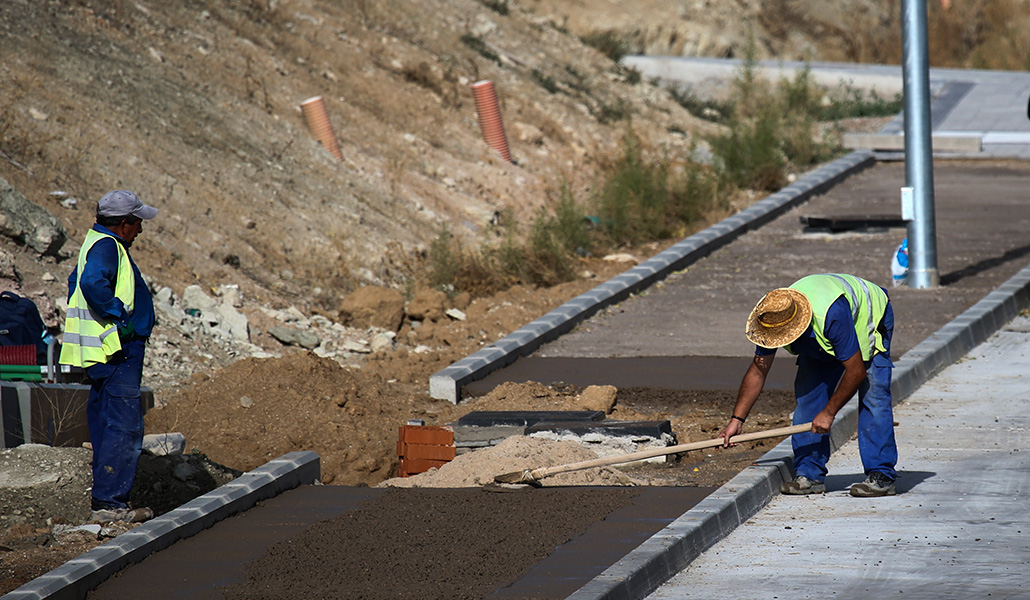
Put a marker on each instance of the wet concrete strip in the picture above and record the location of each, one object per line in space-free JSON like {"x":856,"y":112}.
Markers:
{"x":573,"y":564}
{"x":198,"y":567}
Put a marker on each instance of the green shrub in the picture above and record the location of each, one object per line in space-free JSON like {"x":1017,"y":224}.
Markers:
{"x":498,"y":6}
{"x":709,"y":110}
{"x":748,"y":155}
{"x":612,"y":113}
{"x":631,"y":200}
{"x":546,"y":81}
{"x":570,"y":224}
{"x":770,"y":128}
{"x":547,"y":256}
{"x":695,"y":191}
{"x":847,"y":102}
{"x":444,"y":260}
{"x":474,"y":43}
{"x":547,"y":261}
{"x":608,"y":43}
{"x":802,"y":104}
{"x":633,"y":75}
{"x":640,"y":198}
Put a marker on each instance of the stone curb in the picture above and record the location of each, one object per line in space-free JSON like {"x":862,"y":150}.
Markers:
{"x":75,"y":578}
{"x":669,"y":551}
{"x":446,"y":384}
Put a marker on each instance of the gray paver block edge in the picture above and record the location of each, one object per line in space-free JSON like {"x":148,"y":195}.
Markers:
{"x":76,"y":577}
{"x":666,"y":553}
{"x":446,"y":384}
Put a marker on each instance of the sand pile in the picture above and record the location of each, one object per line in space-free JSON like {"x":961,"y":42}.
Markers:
{"x":516,"y":453}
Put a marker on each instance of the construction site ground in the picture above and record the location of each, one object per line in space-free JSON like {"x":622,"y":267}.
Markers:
{"x":195,"y":106}
{"x":980,"y":248}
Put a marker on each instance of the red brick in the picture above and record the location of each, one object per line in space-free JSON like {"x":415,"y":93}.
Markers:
{"x":416,"y":466}
{"x":425,"y":451}
{"x":421,"y":434}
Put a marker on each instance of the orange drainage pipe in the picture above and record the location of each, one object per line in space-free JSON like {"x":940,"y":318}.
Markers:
{"x":489,"y":112}
{"x":319,"y":125}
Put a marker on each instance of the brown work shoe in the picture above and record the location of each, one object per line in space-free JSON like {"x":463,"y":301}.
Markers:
{"x":876,"y":484}
{"x":127,"y":515}
{"x":802,"y":485}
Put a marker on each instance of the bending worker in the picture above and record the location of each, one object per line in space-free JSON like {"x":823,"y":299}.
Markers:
{"x":110,"y":317}
{"x":840,"y":328}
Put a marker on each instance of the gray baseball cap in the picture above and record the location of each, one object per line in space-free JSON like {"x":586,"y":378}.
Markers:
{"x":123,"y":203}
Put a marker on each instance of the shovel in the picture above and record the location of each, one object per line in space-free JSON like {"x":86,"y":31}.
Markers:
{"x":532,"y":476}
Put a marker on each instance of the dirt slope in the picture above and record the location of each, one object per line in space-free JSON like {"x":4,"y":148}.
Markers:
{"x":195,"y":105}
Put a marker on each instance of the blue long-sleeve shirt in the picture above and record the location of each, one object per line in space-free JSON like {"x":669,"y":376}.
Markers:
{"x":98,"y":283}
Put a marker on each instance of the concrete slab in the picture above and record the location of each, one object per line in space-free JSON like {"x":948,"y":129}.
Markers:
{"x":956,"y":529}
{"x":941,"y":142}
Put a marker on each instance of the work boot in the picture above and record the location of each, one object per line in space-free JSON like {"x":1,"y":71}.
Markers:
{"x":128,"y":515}
{"x":875,"y":484}
{"x":802,"y":485}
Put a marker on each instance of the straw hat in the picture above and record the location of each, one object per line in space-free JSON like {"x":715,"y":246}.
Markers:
{"x":779,"y":318}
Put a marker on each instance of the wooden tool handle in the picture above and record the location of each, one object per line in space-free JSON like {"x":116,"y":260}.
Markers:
{"x":541,"y":472}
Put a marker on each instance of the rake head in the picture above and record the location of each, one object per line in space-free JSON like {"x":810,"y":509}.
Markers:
{"x":525,"y":476}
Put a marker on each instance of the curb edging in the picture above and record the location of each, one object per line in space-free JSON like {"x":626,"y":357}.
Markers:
{"x":75,"y":578}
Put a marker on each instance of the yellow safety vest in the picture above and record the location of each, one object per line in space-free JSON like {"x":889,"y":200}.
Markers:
{"x":90,"y":339}
{"x":868,"y":304}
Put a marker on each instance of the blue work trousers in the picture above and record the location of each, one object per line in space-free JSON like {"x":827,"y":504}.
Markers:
{"x":115,"y":413}
{"x":816,"y":380}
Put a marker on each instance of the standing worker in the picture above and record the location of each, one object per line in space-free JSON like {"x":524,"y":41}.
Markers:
{"x":840,"y":328}
{"x":110,"y":317}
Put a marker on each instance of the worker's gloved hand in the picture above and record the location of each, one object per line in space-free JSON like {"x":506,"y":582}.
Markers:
{"x":126,"y":331}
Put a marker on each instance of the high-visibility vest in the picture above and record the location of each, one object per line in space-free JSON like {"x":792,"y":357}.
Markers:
{"x":868,"y":303}
{"x":90,"y":339}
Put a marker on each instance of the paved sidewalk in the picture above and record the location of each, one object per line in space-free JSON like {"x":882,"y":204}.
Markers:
{"x":958,"y":527}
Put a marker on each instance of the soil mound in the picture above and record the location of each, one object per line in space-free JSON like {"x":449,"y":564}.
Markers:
{"x":515,"y":454}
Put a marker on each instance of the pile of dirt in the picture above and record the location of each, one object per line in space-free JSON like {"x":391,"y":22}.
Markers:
{"x":259,"y":409}
{"x":515,"y":454}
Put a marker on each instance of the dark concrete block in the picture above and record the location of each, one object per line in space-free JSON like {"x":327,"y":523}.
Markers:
{"x":525,"y":418}
{"x":634,"y":429}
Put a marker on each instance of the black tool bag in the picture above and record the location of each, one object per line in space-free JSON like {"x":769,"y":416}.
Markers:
{"x":21,"y":325}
